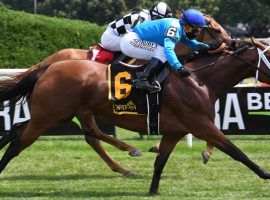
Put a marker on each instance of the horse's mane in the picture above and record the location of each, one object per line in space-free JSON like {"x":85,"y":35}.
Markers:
{"x":178,"y":13}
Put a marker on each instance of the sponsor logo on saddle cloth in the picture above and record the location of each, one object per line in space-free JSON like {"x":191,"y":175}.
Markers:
{"x":126,"y":99}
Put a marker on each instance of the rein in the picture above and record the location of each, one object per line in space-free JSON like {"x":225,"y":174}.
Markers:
{"x":250,"y":64}
{"x":213,"y":63}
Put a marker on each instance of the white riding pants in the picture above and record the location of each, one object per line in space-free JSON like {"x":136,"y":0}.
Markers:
{"x":111,"y":41}
{"x":132,"y":46}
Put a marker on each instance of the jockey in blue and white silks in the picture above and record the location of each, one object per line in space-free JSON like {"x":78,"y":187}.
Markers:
{"x":155,"y":41}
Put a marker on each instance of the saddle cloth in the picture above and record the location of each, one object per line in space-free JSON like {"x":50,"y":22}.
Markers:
{"x":127,"y":99}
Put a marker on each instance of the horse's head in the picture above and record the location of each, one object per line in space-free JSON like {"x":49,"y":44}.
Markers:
{"x":214,"y":35}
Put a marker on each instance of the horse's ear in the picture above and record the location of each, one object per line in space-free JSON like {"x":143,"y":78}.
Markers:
{"x":179,"y":13}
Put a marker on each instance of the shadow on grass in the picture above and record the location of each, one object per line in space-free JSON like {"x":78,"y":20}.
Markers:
{"x":73,"y":194}
{"x":68,"y":177}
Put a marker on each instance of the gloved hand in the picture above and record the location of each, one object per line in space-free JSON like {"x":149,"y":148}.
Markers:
{"x":204,"y":50}
{"x":183,"y":72}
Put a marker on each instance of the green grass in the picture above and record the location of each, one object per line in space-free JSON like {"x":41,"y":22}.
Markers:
{"x":64,"y":167}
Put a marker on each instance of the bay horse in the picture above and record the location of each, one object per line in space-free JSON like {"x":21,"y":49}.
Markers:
{"x":79,"y":88}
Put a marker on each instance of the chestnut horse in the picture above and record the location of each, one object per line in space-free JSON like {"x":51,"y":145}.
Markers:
{"x":79,"y":88}
{"x":215,"y":35}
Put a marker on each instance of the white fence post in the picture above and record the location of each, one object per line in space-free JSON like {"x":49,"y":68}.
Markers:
{"x":189,"y":140}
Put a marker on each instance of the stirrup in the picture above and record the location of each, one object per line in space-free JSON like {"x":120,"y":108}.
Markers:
{"x":158,"y":85}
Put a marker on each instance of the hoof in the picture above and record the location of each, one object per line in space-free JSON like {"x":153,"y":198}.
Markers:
{"x":205,"y":157}
{"x":154,"y":150}
{"x":136,"y":153}
{"x":266,"y":175}
{"x":129,"y":174}
{"x":153,"y":193}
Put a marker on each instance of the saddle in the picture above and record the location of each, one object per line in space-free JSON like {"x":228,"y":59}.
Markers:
{"x":100,"y":54}
{"x":127,"y":99}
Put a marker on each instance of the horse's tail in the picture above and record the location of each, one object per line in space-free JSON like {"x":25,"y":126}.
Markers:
{"x":16,"y":87}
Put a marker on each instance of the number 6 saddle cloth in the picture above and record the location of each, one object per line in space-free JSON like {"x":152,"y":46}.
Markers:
{"x":127,"y":99}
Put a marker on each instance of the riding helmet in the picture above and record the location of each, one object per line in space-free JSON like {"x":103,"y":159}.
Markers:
{"x":160,"y":10}
{"x":193,"y":18}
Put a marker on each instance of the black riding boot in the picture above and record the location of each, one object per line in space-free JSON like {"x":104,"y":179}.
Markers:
{"x":147,"y":74}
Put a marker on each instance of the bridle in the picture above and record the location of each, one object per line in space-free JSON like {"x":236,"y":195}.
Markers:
{"x":250,"y":64}
{"x":262,"y":58}
{"x":211,"y":34}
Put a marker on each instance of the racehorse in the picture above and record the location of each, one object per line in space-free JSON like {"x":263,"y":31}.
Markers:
{"x":215,"y":34}
{"x":79,"y":88}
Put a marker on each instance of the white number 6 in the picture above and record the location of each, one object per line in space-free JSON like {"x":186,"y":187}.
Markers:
{"x":171,"y":32}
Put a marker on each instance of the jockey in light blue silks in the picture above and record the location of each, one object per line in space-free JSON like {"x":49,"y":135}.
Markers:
{"x":155,"y":41}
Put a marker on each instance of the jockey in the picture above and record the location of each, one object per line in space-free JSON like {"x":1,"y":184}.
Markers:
{"x":155,"y":41}
{"x":112,"y":36}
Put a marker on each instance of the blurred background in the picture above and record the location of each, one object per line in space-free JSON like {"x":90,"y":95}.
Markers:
{"x":241,"y":18}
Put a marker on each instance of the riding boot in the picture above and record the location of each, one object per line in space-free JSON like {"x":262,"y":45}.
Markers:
{"x":147,"y":74}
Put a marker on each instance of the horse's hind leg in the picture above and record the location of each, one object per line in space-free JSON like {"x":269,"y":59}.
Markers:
{"x":206,"y":130}
{"x":96,"y":145}
{"x":8,"y":137}
{"x":90,"y":128}
{"x":206,"y":154}
{"x":22,"y":140}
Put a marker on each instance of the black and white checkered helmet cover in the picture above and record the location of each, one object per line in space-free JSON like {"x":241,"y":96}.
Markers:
{"x":125,"y":24}
{"x":160,"y":10}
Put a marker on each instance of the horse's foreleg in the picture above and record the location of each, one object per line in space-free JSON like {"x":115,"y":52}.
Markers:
{"x":210,"y":133}
{"x":96,"y":145}
{"x":91,"y":129}
{"x":167,"y":144}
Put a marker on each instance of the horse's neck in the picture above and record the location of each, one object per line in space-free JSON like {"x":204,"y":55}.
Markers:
{"x":225,"y":74}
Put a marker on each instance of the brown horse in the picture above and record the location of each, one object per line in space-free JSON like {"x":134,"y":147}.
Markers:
{"x":214,"y":35}
{"x":79,"y":88}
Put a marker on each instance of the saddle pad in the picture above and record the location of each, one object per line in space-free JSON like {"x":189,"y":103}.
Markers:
{"x":125,"y":97}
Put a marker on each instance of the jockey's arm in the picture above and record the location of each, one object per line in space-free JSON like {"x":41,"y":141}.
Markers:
{"x":141,"y":17}
{"x":171,"y":57}
{"x":194,"y":44}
